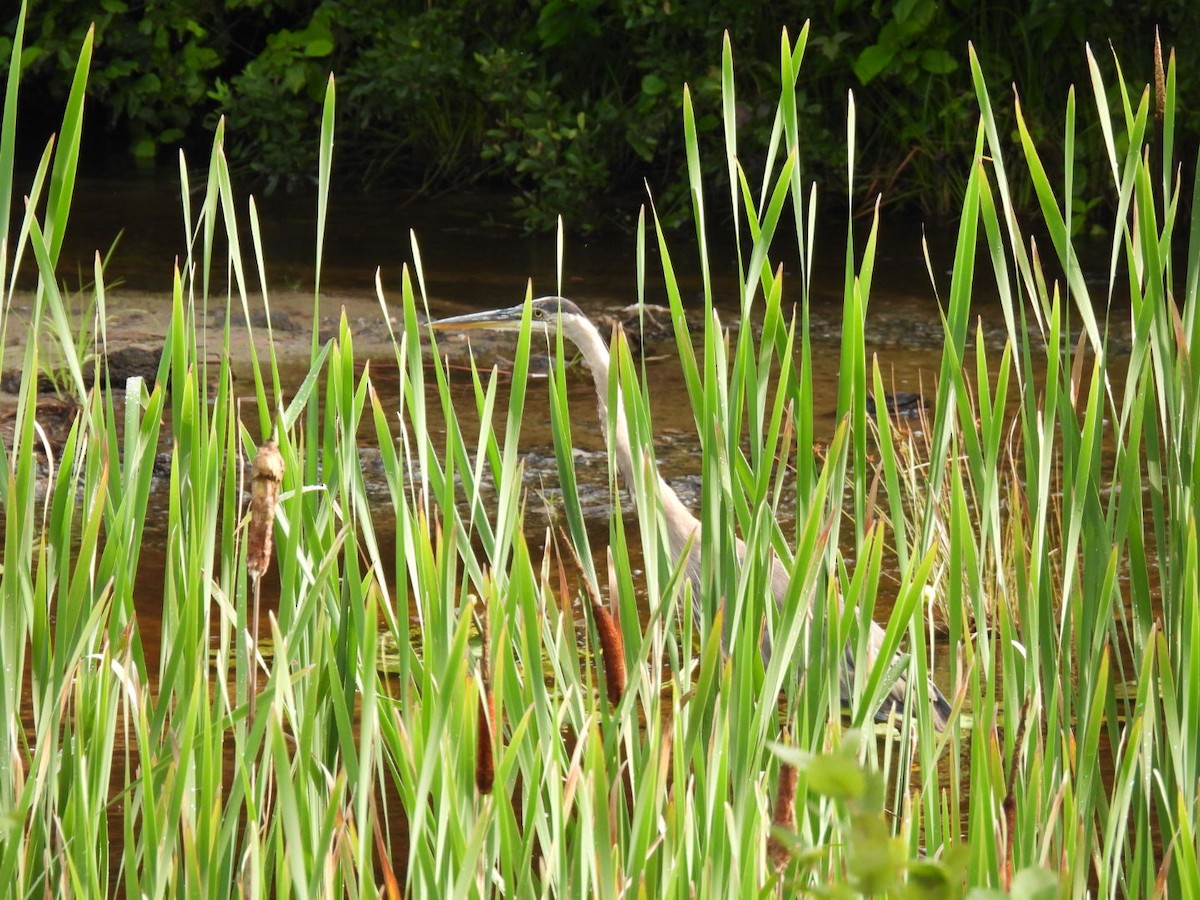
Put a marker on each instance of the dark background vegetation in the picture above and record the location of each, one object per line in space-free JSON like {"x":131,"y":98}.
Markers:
{"x":566,"y":103}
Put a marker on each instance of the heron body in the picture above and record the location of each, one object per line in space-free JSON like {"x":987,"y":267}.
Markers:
{"x":551,"y":314}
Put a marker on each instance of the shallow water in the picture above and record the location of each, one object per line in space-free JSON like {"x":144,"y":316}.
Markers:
{"x":468,"y":266}
{"x":470,"y":262}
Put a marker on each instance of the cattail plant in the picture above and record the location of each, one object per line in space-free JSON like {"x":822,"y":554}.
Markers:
{"x":608,"y":632}
{"x":485,"y":762}
{"x":266,"y":477}
{"x":612,"y":648}
{"x":783,"y":813}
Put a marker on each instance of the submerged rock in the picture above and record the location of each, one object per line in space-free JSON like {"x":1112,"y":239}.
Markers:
{"x":118,"y":367}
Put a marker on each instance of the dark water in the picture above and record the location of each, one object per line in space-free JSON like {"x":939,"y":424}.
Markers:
{"x":471,"y":252}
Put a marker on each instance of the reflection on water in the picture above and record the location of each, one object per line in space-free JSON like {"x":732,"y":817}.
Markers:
{"x":470,"y":253}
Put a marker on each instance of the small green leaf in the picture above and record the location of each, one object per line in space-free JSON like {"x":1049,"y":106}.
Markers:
{"x":653,"y":85}
{"x":872,"y":61}
{"x":321,"y":46}
{"x":837,"y":776}
{"x":929,"y":880}
{"x":939,"y":62}
{"x":1028,"y":884}
{"x":29,"y":55}
{"x":1035,"y":884}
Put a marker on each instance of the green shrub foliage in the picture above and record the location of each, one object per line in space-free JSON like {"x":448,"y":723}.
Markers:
{"x":564,"y":102}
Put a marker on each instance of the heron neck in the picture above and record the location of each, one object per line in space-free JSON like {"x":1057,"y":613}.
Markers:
{"x":595,"y":352}
{"x":599,"y":361}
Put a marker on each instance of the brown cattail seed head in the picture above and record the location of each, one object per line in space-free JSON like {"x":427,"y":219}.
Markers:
{"x":485,"y":764}
{"x":612,"y":648}
{"x":783,"y":815}
{"x":266,"y":476}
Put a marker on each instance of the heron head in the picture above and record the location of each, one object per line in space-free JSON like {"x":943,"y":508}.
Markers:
{"x":546,"y":313}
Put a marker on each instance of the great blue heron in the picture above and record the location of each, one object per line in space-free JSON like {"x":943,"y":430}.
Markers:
{"x":683,"y":528}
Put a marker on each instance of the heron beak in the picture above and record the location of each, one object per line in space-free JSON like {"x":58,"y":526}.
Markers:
{"x":500,"y":319}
